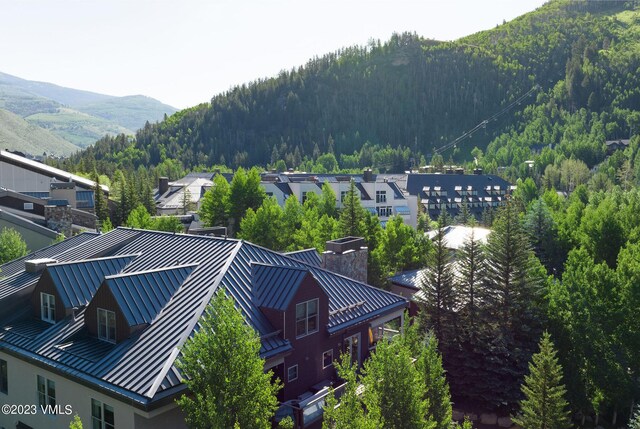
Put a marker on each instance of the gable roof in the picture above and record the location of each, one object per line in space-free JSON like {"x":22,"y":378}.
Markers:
{"x":141,"y":368}
{"x":77,"y":282}
{"x":274,"y":286}
{"x":141,"y":296}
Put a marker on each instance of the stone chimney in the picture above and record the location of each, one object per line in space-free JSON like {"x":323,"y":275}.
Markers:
{"x":347,"y":256}
{"x":163,"y":185}
{"x":58,"y":217}
{"x":367,"y":175}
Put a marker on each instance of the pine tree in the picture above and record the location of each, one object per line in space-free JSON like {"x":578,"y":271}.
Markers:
{"x":470,"y":282}
{"x":352,"y":215}
{"x":544,"y":406}
{"x":436,"y":388}
{"x":100,"y":203}
{"x":510,"y":271}
{"x":225,"y":353}
{"x":438,"y":297}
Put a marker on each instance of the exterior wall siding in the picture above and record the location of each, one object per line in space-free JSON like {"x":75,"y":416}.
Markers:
{"x":45,"y":284}
{"x":104,"y":299}
{"x":23,"y":391}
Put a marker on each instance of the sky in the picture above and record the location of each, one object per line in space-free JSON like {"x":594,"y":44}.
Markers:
{"x":183,"y":52}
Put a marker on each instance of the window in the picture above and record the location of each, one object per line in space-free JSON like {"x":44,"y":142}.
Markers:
{"x":292,"y":373}
{"x":28,"y":206}
{"x":101,"y":415}
{"x":343,"y":195}
{"x":304,"y":196}
{"x":381,"y":196}
{"x":306,"y":318}
{"x":4,"y":377}
{"x":384,"y":211}
{"x":46,"y":392}
{"x":48,"y":307}
{"x":327,"y":358}
{"x":106,"y":325}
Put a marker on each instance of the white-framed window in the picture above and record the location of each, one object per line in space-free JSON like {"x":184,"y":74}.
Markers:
{"x":292,"y":373}
{"x":46,"y":391}
{"x":48,"y":307}
{"x":28,"y":206}
{"x":327,"y":359}
{"x":381,"y":197}
{"x":102,"y":416}
{"x":106,"y":325}
{"x":304,"y":196}
{"x":384,"y":211}
{"x":306,"y":318}
{"x":4,"y":377}
{"x":343,"y":195}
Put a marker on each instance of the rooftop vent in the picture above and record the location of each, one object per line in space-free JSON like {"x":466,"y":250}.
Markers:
{"x":37,"y":265}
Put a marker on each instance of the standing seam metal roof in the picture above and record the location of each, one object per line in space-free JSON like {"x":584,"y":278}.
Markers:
{"x":142,"y":366}
{"x":141,"y":296}
{"x":78,"y":281}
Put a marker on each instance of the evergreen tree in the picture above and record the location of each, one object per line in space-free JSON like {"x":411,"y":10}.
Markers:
{"x":328,"y":201}
{"x":436,"y":388}
{"x":511,"y":272}
{"x":214,"y":206}
{"x":464,"y":217}
{"x":470,"y":284}
{"x":438,"y":293}
{"x":544,"y":406}
{"x":100,"y":202}
{"x":186,"y":204}
{"x":225,"y":374}
{"x":540,"y":228}
{"x":352,"y":215}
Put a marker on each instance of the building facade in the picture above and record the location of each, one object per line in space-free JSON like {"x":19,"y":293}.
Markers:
{"x":95,"y":328}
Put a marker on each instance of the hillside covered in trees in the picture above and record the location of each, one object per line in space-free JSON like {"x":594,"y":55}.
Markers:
{"x":416,"y":95}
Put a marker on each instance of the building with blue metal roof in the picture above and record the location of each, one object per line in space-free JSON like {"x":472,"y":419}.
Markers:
{"x":437,"y":192}
{"x":99,"y":325}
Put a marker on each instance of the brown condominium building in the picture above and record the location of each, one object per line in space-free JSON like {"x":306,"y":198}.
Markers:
{"x":95,"y":324}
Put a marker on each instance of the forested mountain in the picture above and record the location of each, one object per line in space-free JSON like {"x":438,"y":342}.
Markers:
{"x":580,"y":57}
{"x":79,"y":117}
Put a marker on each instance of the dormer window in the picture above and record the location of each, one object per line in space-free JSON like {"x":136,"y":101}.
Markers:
{"x":306,"y":318}
{"x":48,"y":307}
{"x":106,"y":325}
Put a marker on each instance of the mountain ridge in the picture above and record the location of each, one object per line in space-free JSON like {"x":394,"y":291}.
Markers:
{"x":77,"y":116}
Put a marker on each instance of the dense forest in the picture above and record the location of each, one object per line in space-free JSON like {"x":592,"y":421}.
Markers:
{"x":578,"y":62}
{"x":534,"y":100}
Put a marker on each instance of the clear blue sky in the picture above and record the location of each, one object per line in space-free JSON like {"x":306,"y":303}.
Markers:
{"x":184,"y":52}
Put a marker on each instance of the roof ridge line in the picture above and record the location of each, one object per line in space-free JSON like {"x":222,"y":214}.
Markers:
{"x":192,"y":323}
{"x":287,"y":267}
{"x":101,"y":258}
{"x":154,"y":270}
